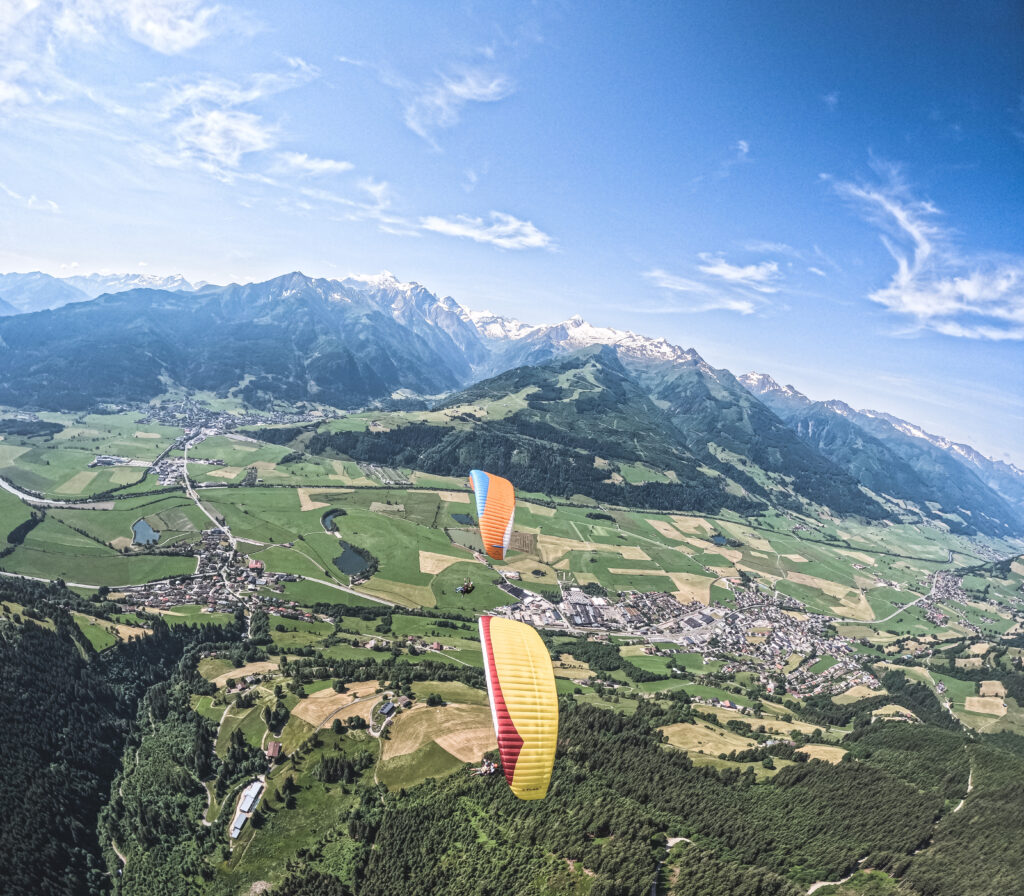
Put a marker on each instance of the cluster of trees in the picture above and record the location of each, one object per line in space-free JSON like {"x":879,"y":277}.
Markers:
{"x":602,"y":657}
{"x":11,"y":426}
{"x":18,"y":534}
{"x":400,"y":673}
{"x":334,"y":767}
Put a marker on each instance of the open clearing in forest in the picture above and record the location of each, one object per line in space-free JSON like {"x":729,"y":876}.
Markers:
{"x":992,"y":689}
{"x":774,"y":725}
{"x":705,"y":738}
{"x":570,"y":667}
{"x":823,"y":751}
{"x":432,"y":564}
{"x":893,"y":709}
{"x":858,"y":692}
{"x":318,"y":708}
{"x":257,"y":668}
{"x":464,"y":731}
{"x":989,"y":706}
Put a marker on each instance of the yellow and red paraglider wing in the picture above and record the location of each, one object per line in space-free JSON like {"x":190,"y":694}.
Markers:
{"x":496,"y":505}
{"x":524,"y":703}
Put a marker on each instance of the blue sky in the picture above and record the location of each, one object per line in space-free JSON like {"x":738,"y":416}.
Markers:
{"x":830,"y":193}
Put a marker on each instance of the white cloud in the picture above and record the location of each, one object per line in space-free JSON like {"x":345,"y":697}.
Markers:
{"x":759,"y":277}
{"x":304,"y":164}
{"x":222,"y":136}
{"x":831,"y":99}
{"x":502,"y":230}
{"x":818,"y":271}
{"x":968,"y":296}
{"x":704,"y":296}
{"x":740,"y":154}
{"x":440,"y":105}
{"x":167,"y":26}
{"x":767,"y":247}
{"x":210,"y":128}
{"x":32,"y":202}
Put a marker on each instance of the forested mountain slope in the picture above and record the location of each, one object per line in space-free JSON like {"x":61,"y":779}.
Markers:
{"x":65,"y":717}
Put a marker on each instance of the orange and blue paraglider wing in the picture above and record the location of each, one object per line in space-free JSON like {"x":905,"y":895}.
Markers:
{"x":496,"y":505}
{"x":524,"y":703}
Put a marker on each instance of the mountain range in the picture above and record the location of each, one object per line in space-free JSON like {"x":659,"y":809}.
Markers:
{"x":378,"y":341}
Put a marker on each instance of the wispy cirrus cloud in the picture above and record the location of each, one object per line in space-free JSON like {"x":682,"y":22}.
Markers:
{"x":936,"y":285}
{"x":760,"y":277}
{"x":213,"y":129}
{"x":713,"y":283}
{"x":32,"y":202}
{"x":167,"y":26}
{"x":502,"y":230}
{"x":218,"y":138}
{"x":304,"y":164}
{"x":439,"y":105}
{"x":700,"y":295}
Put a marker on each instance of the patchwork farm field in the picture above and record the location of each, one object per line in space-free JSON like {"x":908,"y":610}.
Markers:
{"x":422,"y":537}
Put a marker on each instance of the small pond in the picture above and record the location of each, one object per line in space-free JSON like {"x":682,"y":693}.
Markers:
{"x":464,"y":519}
{"x":349,"y":562}
{"x":720,"y":540}
{"x":328,"y":519}
{"x":144,"y":533}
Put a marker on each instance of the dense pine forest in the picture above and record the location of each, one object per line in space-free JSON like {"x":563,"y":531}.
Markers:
{"x":66,"y":715}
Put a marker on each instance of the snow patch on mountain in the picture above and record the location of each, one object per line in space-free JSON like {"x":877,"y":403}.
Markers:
{"x":496,"y":327}
{"x":763,"y":384}
{"x":576,"y":333}
{"x":94,"y":285}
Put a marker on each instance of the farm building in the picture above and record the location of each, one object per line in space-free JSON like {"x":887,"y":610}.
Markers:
{"x":250,"y":796}
{"x":387,"y":709}
{"x":274,"y":749}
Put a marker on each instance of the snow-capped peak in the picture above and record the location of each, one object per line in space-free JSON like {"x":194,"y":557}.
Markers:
{"x":576,"y":332}
{"x":763,"y":384}
{"x":840,"y":407}
{"x":97,"y":284}
{"x":383,"y":280}
{"x":496,"y":327}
